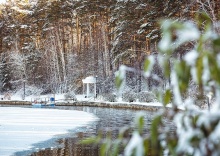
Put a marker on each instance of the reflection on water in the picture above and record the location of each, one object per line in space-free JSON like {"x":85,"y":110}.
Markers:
{"x":71,"y":148}
{"x":110,"y":119}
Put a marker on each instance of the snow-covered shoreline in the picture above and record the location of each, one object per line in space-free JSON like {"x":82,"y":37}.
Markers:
{"x":82,"y":101}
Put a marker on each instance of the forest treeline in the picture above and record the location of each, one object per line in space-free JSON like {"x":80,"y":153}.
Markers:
{"x":54,"y":44}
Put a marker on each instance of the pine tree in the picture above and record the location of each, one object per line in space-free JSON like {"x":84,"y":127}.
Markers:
{"x":5,"y":75}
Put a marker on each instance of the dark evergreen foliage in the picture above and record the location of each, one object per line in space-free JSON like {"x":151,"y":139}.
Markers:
{"x":5,"y":75}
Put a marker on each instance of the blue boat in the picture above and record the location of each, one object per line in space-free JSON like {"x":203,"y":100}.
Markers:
{"x":38,"y":103}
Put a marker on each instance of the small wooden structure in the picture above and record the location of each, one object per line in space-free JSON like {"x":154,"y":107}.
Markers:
{"x":90,"y":86}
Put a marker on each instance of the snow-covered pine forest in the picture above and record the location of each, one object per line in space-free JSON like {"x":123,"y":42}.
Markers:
{"x":53,"y":44}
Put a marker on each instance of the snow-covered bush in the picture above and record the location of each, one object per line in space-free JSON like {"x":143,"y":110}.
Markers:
{"x":105,"y":85}
{"x":70,"y":95}
{"x":129,"y":97}
{"x":197,"y":131}
{"x":111,"y":97}
{"x":33,"y":90}
{"x":146,"y":96}
{"x":29,"y":90}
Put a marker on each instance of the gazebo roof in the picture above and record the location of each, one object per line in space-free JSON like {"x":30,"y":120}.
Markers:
{"x":89,"y":79}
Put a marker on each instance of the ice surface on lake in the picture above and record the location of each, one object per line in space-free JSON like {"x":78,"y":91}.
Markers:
{"x":20,"y":128}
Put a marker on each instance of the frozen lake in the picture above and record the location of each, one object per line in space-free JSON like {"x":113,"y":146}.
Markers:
{"x":20,"y":128}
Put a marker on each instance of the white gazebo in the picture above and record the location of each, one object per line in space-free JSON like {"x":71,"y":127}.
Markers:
{"x":90,"y":82}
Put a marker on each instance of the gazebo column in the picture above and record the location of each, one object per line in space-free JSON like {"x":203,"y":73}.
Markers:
{"x":83,"y":90}
{"x":87,"y":90}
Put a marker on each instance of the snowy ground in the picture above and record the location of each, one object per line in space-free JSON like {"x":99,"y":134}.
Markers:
{"x":61,"y":98}
{"x":20,"y":128}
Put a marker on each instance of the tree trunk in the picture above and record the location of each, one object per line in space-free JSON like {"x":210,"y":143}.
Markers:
{"x":78,"y":36}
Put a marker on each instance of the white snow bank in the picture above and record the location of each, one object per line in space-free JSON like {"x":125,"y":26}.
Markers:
{"x":81,"y":97}
{"x":20,"y":128}
{"x":32,"y":97}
